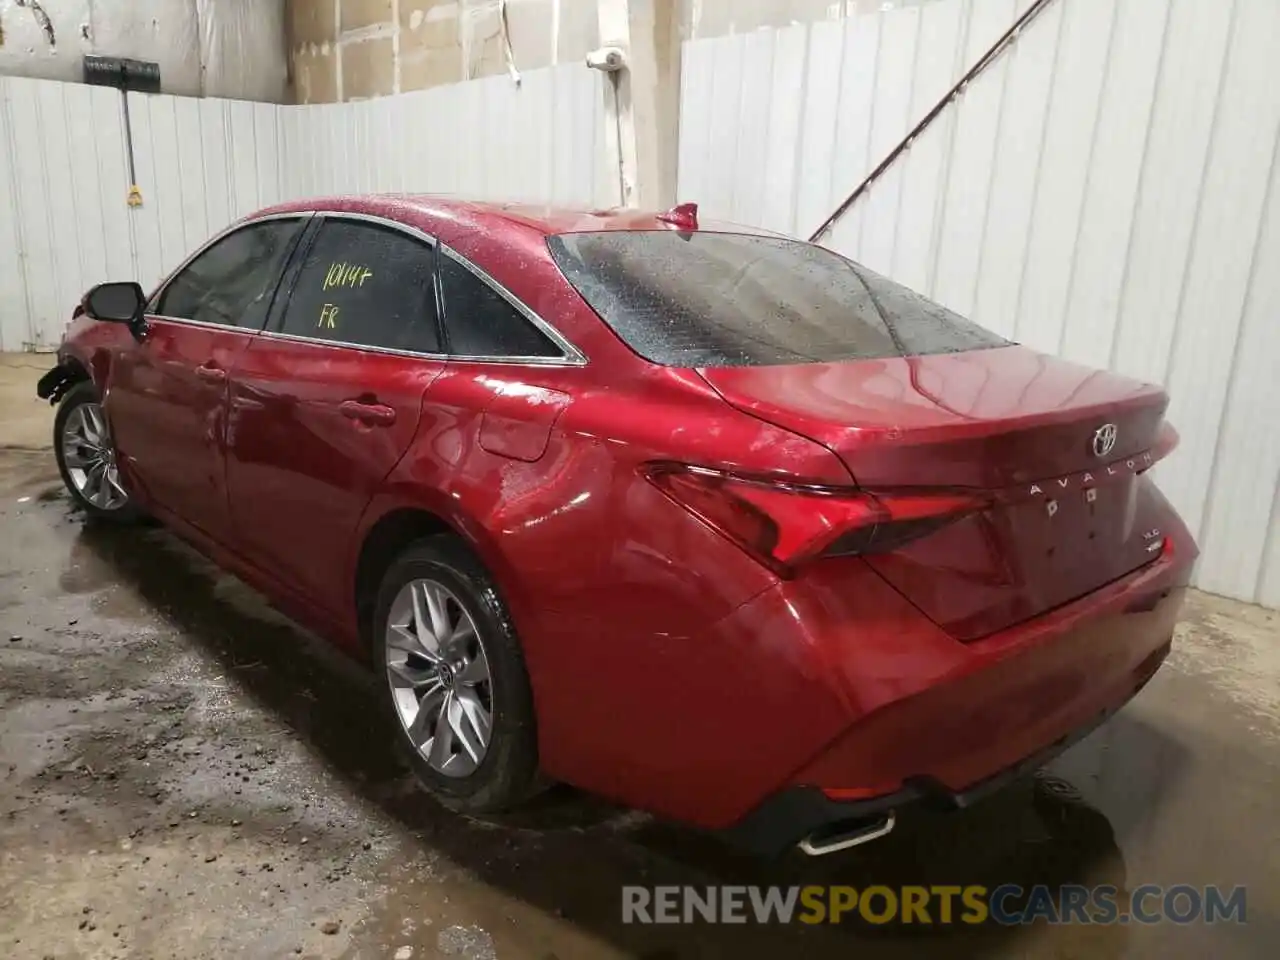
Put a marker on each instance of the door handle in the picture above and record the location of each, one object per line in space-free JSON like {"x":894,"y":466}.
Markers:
{"x":211,"y":374}
{"x":374,"y":414}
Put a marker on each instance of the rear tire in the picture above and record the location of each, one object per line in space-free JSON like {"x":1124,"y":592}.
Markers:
{"x":86,"y":457}
{"x":452,"y":678}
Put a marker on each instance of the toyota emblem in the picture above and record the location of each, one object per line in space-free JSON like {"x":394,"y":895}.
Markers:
{"x":1104,"y":439}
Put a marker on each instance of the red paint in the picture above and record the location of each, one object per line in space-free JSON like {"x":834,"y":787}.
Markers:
{"x":517,"y":422}
{"x":675,"y":665}
{"x":168,"y":415}
{"x":298,"y":461}
{"x":1009,"y":422}
{"x":684,"y":216}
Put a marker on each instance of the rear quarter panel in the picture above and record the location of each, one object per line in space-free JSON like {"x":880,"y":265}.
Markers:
{"x":614,"y":589}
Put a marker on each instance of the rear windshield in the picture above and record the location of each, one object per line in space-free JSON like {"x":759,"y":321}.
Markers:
{"x":728,"y":300}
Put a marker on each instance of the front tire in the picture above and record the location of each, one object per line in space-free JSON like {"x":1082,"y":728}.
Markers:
{"x":453,"y":678}
{"x":86,"y":457}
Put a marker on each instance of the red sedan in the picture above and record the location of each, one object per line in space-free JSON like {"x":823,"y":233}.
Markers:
{"x":707,"y":520}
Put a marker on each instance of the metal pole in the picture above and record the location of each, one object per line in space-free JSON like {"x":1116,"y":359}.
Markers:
{"x":985,"y":61}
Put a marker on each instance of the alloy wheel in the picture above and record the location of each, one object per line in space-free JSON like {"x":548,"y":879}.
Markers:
{"x":439,"y":676}
{"x":90,"y":458}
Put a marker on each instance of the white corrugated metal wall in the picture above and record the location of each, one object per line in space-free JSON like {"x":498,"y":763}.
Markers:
{"x":200,"y":164}
{"x":1106,"y":191}
{"x":63,"y":219}
{"x":64,"y":223}
{"x":484,"y":139}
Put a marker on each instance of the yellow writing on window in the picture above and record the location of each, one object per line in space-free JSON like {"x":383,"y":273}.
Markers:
{"x":328,"y":317}
{"x":346,"y":275}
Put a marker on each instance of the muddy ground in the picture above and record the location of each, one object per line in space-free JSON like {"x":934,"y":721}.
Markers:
{"x":183,"y":773}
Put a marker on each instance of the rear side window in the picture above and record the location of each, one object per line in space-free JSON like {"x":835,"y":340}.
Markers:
{"x":482,"y":323}
{"x":366,"y":285}
{"x":232,"y":282}
{"x":724,"y":299}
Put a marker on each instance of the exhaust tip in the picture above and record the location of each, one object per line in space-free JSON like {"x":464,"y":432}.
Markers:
{"x":848,"y":833}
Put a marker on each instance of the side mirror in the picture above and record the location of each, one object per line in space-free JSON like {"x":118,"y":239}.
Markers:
{"x":117,"y":303}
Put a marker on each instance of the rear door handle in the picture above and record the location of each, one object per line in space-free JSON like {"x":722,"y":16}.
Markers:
{"x":374,"y":414}
{"x":210,"y":373}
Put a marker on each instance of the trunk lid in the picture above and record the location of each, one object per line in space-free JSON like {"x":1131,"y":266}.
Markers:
{"x":1060,"y":448}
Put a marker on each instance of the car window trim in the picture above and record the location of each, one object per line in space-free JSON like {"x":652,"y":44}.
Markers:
{"x":289,"y":274}
{"x":571,"y":356}
{"x":303,"y":216}
{"x":294,"y":270}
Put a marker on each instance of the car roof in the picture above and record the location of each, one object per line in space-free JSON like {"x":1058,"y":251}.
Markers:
{"x":446,"y":216}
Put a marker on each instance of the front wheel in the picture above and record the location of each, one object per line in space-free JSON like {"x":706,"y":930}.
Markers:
{"x":87,"y":458}
{"x":454,"y":682}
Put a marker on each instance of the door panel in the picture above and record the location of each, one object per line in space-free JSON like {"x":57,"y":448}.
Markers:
{"x":166,"y":403}
{"x":321,"y":408}
{"x":314,"y":430}
{"x":167,"y":397}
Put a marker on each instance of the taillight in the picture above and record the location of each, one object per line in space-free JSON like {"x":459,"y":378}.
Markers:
{"x":784,"y":524}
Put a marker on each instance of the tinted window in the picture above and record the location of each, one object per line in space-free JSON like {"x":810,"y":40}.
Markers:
{"x":480,"y":321}
{"x":232,"y":282}
{"x":721,"y":299}
{"x":367,"y":285}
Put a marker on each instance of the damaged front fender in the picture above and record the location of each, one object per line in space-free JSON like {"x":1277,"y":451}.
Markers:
{"x":54,"y":385}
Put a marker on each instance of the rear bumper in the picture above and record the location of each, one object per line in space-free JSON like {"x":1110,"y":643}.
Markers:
{"x":797,"y":812}
{"x":931,"y":720}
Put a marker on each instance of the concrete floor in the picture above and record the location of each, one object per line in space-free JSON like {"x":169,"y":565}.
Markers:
{"x":185,"y":773}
